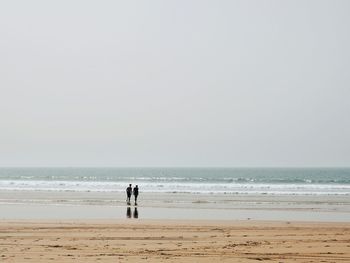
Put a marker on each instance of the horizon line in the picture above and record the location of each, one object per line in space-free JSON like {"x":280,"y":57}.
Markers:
{"x":179,"y":167}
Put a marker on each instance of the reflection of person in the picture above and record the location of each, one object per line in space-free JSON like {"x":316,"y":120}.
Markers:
{"x":128,"y":194}
{"x":136,"y":213}
{"x":136,"y":193}
{"x":128,"y":212}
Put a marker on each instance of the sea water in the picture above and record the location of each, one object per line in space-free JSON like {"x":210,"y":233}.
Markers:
{"x":264,"y":181}
{"x":307,"y":194}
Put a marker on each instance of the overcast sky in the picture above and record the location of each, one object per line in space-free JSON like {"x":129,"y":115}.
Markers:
{"x":175,"y":83}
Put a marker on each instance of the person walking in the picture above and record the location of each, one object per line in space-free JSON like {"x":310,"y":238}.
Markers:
{"x":128,"y":194}
{"x":136,"y":193}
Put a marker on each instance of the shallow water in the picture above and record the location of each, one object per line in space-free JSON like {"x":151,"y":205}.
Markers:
{"x":102,"y":205}
{"x":264,"y":181}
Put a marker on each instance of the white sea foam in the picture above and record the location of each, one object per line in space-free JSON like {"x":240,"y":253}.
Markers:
{"x":173,"y":187}
{"x":316,"y":181}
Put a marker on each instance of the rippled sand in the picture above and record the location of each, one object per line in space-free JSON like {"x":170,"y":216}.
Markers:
{"x":173,"y":241}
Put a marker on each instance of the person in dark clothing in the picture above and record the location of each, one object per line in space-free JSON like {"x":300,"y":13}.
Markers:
{"x":136,"y":193}
{"x":128,"y":194}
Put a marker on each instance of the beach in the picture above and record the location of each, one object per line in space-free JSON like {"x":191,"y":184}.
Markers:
{"x":173,"y":241}
{"x":42,"y":205}
{"x":45,"y":226}
{"x":81,"y":215}
{"x":174,"y":131}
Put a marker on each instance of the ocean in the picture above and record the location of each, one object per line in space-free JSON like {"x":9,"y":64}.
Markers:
{"x":264,"y":181}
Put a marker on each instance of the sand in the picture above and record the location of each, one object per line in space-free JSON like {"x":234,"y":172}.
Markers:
{"x":173,"y":241}
{"x":53,"y":205}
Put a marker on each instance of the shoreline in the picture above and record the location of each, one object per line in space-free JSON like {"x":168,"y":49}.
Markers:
{"x":184,"y":222}
{"x":86,"y":205}
{"x":93,"y":212}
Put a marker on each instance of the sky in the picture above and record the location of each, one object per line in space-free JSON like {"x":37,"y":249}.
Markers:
{"x":175,"y":83}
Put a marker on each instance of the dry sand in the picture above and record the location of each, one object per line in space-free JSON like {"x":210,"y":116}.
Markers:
{"x":173,"y":241}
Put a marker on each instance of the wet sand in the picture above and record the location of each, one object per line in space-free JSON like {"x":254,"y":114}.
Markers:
{"x":42,"y":205}
{"x":173,"y":241}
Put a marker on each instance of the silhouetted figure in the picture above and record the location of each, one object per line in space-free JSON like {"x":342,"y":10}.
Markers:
{"x":136,"y":193}
{"x":128,"y":212}
{"x":136,"y":213}
{"x":128,"y":194}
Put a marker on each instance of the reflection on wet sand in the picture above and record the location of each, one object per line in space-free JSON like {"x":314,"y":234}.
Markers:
{"x":135,"y":214}
{"x":128,"y":212}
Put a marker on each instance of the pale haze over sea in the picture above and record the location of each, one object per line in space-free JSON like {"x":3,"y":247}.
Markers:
{"x":175,"y":83}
